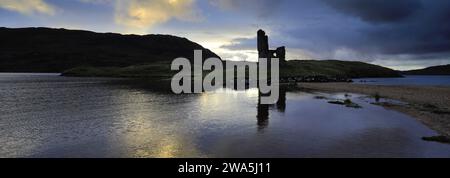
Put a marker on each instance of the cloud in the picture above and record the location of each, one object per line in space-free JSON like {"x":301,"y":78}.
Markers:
{"x":378,"y":31}
{"x":137,"y":16}
{"x":144,"y":14}
{"x":377,"y":11}
{"x":28,"y":7}
{"x":97,"y":1}
{"x":414,"y":30}
{"x":241,"y":44}
{"x":427,"y":32}
{"x":260,"y":8}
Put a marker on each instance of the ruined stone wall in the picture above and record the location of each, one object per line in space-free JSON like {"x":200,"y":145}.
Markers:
{"x":265,"y":52}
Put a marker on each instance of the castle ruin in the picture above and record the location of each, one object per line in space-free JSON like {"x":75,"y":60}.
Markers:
{"x":265,"y":52}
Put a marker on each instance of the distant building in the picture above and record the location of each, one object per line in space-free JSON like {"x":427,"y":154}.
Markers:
{"x":264,"y":50}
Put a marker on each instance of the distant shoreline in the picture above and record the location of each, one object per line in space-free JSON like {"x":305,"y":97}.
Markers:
{"x":32,"y":73}
{"x":428,"y":104}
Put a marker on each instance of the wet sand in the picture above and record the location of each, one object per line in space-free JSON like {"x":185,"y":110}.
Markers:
{"x":429,"y":104}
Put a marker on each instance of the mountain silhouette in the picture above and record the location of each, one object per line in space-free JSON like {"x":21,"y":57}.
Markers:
{"x":56,"y":50}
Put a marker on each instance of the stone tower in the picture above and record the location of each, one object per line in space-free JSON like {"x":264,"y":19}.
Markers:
{"x":265,"y":52}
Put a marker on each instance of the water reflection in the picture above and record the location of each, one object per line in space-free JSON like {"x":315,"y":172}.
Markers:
{"x":51,"y":116}
{"x":263,"y":114}
{"x":263,"y":109}
{"x":281,"y":103}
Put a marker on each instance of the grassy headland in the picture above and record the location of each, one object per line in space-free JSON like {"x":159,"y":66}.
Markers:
{"x":157,"y":70}
{"x":335,"y":68}
{"x":435,"y":70}
{"x":296,"y":68}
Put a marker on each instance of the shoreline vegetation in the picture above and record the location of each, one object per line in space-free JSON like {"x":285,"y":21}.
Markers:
{"x":294,"y":70}
{"x":157,"y":71}
{"x":428,"y":104}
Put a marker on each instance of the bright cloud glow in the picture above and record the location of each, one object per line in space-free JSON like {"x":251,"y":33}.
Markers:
{"x":28,"y":7}
{"x":140,"y":15}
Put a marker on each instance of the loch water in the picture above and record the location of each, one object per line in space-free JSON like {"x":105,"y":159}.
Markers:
{"x":46,"y":115}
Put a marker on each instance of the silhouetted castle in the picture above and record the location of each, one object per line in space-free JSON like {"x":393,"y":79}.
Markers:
{"x":265,"y":52}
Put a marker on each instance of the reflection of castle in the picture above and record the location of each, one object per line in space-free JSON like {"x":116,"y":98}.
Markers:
{"x":265,"y":52}
{"x":263,"y":109}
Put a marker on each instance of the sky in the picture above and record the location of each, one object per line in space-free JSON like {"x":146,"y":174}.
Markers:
{"x":400,"y":34}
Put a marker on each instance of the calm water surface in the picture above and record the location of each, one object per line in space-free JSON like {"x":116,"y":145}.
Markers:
{"x":52,"y":116}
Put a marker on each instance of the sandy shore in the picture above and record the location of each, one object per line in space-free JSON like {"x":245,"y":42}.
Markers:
{"x":429,"y":104}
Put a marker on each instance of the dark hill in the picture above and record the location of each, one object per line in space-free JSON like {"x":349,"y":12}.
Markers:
{"x":435,"y":70}
{"x":56,"y":50}
{"x":335,"y":68}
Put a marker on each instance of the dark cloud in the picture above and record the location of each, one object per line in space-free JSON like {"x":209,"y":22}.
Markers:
{"x":260,"y":8}
{"x":421,"y":27}
{"x":428,"y":32}
{"x":409,"y":30}
{"x":377,"y":11}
